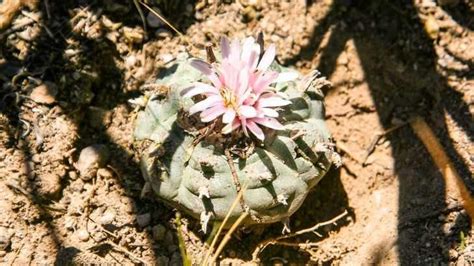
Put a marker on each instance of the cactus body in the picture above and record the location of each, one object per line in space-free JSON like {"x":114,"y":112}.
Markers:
{"x":197,"y":177}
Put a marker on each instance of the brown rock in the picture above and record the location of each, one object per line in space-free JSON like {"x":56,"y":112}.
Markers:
{"x":44,"y":93}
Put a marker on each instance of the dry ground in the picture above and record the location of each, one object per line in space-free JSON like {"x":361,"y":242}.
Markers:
{"x":68,"y":70}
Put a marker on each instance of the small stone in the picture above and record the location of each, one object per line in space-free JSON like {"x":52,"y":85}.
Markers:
{"x":90,"y":159}
{"x":49,"y":185}
{"x":5,"y":238}
{"x":72,"y":175}
{"x":143,"y":220}
{"x":159,"y":232}
{"x":153,"y":20}
{"x":44,"y":93}
{"x":82,"y":235}
{"x":107,"y":217}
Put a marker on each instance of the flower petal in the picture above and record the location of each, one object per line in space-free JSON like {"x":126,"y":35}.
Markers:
{"x":199,"y":88}
{"x":269,"y":122}
{"x":243,"y":122}
{"x":247,"y":48}
{"x":225,"y":47}
{"x":267,"y":58}
{"x":212,"y":113}
{"x":257,"y":131}
{"x":232,"y":126}
{"x":263,"y":81}
{"x":243,"y":82}
{"x":269,"y":112}
{"x":208,"y":70}
{"x":206,"y":103}
{"x":272,"y":101}
{"x":286,"y":76}
{"x":202,"y":66}
{"x":247,"y":111}
{"x":229,"y":116}
{"x":234,"y":55}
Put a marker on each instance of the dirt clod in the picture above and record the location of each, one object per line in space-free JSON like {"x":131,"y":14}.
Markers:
{"x":91,"y":159}
{"x":49,"y":185}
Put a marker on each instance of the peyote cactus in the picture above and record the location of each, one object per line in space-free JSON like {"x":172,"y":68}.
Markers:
{"x":198,"y":163}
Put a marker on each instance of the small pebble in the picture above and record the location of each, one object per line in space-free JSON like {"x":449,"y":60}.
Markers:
{"x":72,"y":175}
{"x":44,"y":93}
{"x":107,"y":217}
{"x":153,"y":20}
{"x":158,"y":232}
{"x":90,"y":159}
{"x":82,"y":235}
{"x":143,"y":220}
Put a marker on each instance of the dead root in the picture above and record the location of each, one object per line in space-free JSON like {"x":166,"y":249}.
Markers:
{"x":303,"y":246}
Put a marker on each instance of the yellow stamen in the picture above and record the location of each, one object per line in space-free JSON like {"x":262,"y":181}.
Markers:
{"x":229,"y":98}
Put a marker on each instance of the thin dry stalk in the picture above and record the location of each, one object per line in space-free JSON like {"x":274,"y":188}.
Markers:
{"x":228,"y":235}
{"x":161,"y":18}
{"x":221,"y":227}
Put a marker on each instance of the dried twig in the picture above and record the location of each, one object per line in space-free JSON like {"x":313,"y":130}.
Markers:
{"x":454,"y":185}
{"x":276,"y":240}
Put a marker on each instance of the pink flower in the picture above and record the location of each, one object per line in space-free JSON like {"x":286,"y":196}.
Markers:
{"x":240,"y":90}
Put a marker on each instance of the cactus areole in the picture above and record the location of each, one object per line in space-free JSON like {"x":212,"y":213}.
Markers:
{"x":240,"y":121}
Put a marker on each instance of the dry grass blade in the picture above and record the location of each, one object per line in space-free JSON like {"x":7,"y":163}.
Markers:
{"x":221,"y":227}
{"x":454,"y":185}
{"x":228,"y":235}
{"x":161,"y":18}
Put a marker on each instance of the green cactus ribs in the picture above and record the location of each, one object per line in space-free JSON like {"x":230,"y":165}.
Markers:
{"x":195,"y":168}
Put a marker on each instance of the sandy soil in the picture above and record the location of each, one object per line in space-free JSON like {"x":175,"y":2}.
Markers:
{"x":69,"y":70}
